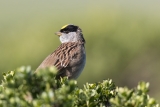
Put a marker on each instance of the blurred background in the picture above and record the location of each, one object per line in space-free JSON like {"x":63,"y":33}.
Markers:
{"x":122,"y":37}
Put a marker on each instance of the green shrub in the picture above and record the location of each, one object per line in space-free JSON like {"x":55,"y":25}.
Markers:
{"x":24,"y":88}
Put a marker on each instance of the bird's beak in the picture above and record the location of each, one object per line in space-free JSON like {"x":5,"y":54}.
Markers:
{"x":58,"y":33}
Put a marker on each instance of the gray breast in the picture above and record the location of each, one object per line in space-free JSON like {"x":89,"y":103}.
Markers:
{"x":78,"y":62}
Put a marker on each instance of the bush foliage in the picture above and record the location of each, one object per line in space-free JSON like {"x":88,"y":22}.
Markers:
{"x":24,"y":88}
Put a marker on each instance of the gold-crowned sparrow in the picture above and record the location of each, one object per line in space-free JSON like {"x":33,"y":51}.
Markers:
{"x":70,"y":57}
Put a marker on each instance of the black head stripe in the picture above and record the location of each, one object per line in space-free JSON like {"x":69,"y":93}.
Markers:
{"x":69,"y":28}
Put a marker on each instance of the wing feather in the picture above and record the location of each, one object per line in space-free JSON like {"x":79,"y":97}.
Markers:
{"x":61,"y":57}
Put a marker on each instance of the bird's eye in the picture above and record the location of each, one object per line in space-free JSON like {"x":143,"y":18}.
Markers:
{"x":66,"y":32}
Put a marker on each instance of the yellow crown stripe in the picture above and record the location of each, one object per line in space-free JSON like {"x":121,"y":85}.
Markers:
{"x":64,"y":26}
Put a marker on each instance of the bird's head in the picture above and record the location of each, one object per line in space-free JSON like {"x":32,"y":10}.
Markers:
{"x":70,"y":33}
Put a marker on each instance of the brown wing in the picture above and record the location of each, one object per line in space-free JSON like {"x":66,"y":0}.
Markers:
{"x":61,"y":57}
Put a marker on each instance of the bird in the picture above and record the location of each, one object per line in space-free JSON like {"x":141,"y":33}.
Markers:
{"x":70,"y":57}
